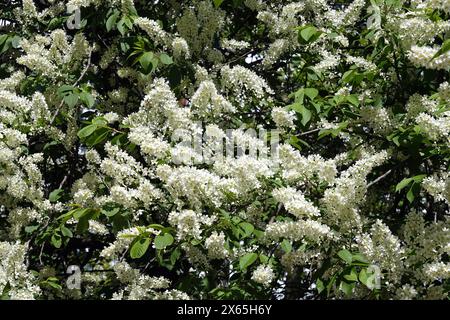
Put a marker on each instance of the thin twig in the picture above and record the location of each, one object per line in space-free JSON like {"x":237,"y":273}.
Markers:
{"x":308,"y":132}
{"x":380,"y":178}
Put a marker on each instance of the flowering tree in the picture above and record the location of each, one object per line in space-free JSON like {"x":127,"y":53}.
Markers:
{"x":224,"y":149}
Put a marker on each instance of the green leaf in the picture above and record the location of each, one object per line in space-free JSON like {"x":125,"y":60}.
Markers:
{"x":66,"y":232}
{"x":247,"y":260}
{"x":353,"y":99}
{"x":311,"y":92}
{"x":320,"y":286}
{"x":348,"y":76}
{"x":139,"y":248}
{"x":347,"y":288}
{"x":165,"y":59}
{"x":110,"y":213}
{"x":31,"y":229}
{"x":363,"y":276}
{"x":54,"y":285}
{"x":359,"y":257}
{"x":247,"y":227}
{"x":413,"y":192}
{"x":286,"y":245}
{"x":346,"y":256}
{"x":100,"y":121}
{"x":308,"y":34}
{"x":120,"y":26}
{"x":87,"y":131}
{"x":65,"y":90}
{"x":128,"y":22}
{"x":56,"y":240}
{"x":98,"y":137}
{"x":111,"y":22}
{"x":79,"y":213}
{"x":306,"y":114}
{"x":163,"y":241}
{"x":71,"y":100}
{"x":15,"y":42}
{"x":175,"y":255}
{"x":87,"y":99}
{"x":352,"y":276}
{"x":55,"y":195}
{"x":402,"y":184}
{"x":217,"y":3}
{"x":146,"y":60}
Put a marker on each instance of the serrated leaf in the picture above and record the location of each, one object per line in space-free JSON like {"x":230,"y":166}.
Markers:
{"x":247,"y":260}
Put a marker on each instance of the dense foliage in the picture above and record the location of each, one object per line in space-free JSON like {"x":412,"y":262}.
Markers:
{"x":115,"y":116}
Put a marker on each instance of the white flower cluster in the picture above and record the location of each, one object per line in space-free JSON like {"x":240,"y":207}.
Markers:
{"x":299,"y":169}
{"x":383,"y":249}
{"x":309,"y":230}
{"x":423,"y":57}
{"x":243,"y":82}
{"x":341,"y":201}
{"x":263,"y":275}
{"x":438,"y":187}
{"x":295,"y":202}
{"x":153,"y":29}
{"x":14,"y":274}
{"x":142,"y":287}
{"x":436,"y":128}
{"x":234,"y":45}
{"x":215,"y":244}
{"x":189,"y":223}
{"x":283,"y":118}
{"x":207,"y":101}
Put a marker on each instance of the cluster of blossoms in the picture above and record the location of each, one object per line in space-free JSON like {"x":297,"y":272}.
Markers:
{"x":207,"y":149}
